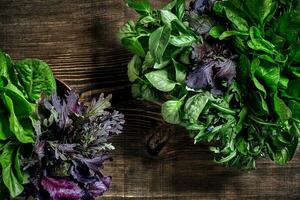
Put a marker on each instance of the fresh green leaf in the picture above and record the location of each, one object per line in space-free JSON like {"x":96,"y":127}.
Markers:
{"x":167,"y":17}
{"x":134,"y":67}
{"x":36,"y":77}
{"x":294,"y":88}
{"x":160,"y":80}
{"x":140,"y":6}
{"x":171,"y":111}
{"x":133,"y":45}
{"x":9,"y":178}
{"x":216,"y":31}
{"x":282,"y":109}
{"x":23,"y":134}
{"x":180,"y":71}
{"x":195,"y":105}
{"x":182,"y":40}
{"x":158,"y":42}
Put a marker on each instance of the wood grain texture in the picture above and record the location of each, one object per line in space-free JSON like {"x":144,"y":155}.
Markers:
{"x":153,"y":160}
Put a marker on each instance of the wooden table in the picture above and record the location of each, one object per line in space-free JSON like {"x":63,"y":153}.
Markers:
{"x":153,"y":160}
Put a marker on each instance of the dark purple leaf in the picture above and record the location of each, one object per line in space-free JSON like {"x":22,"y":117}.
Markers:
{"x":199,"y":5}
{"x":73,"y":103}
{"x":201,"y":77}
{"x":81,"y":177}
{"x":98,"y":188}
{"x":62,"y":188}
{"x":226,"y":70}
{"x":39,"y":148}
{"x":96,"y":163}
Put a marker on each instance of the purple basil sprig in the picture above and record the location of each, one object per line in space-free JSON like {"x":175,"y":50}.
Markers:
{"x":72,"y":144}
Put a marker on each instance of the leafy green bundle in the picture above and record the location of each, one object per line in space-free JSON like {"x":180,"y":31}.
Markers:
{"x":21,"y":84}
{"x":244,"y":98}
{"x":51,"y":147}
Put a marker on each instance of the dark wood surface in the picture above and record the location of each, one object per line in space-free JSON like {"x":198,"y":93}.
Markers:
{"x":153,"y":160}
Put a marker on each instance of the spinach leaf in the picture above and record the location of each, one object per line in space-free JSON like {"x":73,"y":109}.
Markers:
{"x":36,"y":77}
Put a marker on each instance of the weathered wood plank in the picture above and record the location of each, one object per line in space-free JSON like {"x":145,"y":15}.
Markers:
{"x":153,"y":160}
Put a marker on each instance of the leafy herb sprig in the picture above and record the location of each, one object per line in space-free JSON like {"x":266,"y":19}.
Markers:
{"x":178,"y":62}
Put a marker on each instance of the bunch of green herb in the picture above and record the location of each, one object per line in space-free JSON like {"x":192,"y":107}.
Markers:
{"x":21,"y":84}
{"x":266,"y":34}
{"x":180,"y":61}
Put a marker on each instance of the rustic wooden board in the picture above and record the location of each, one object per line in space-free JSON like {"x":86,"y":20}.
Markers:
{"x":153,"y":160}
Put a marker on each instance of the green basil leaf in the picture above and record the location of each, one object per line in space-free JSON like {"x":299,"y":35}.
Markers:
{"x":170,"y":5}
{"x":258,"y":104}
{"x":182,"y":40}
{"x":148,"y":62}
{"x":227,"y":158}
{"x":180,"y":9}
{"x":216,"y":31}
{"x":160,"y":80}
{"x":134,"y":67}
{"x":36,"y":77}
{"x":294,"y":88}
{"x":259,"y":9}
{"x":147,"y":19}
{"x":295,"y":108}
{"x":180,"y":71}
{"x":281,"y":109}
{"x":149,"y":93}
{"x":171,"y":111}
{"x":9,"y":178}
{"x":140,"y":6}
{"x":127,"y":30}
{"x":195,"y":105}
{"x":240,"y":23}
{"x":158,"y":42}
{"x":144,"y":92}
{"x":167,"y":17}
{"x":270,"y":74}
{"x":227,"y":34}
{"x":133,"y":45}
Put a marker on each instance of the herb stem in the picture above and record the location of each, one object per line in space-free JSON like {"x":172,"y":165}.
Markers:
{"x":222,"y":109}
